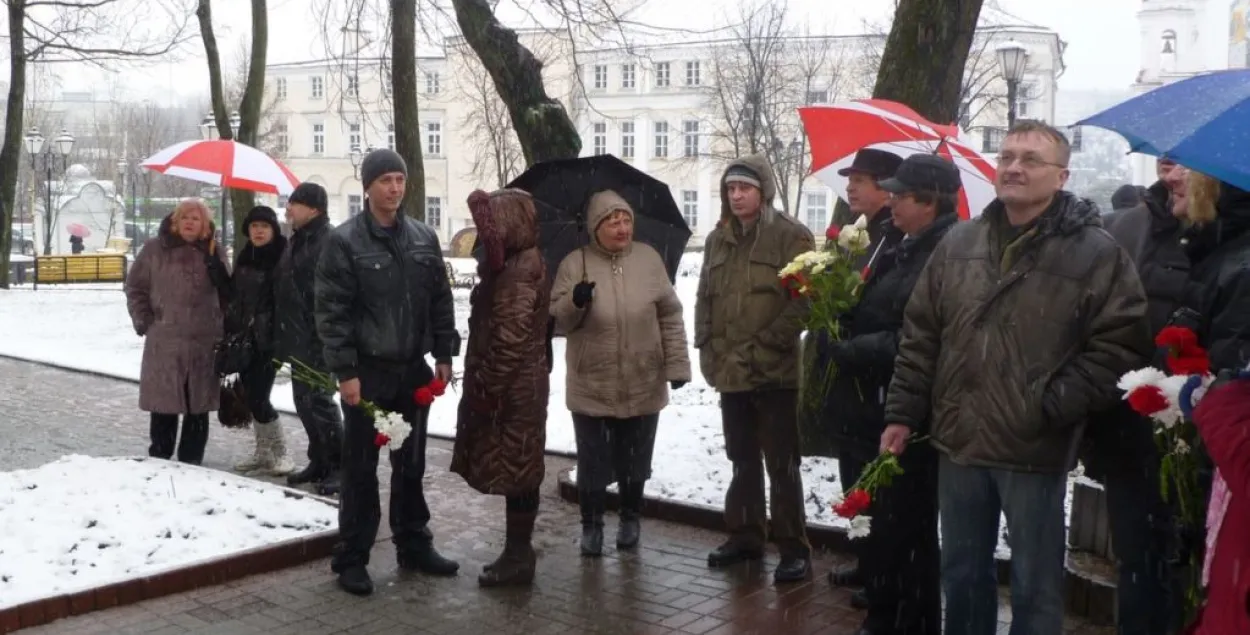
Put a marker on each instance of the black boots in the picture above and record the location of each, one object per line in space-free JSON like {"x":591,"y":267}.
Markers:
{"x":593,"y":504}
{"x":312,"y":472}
{"x":630,"y":529}
{"x":422,"y":556}
{"x":732,"y":552}
{"x":515,"y":567}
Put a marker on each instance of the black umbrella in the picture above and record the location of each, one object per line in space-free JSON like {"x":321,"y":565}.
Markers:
{"x":562,"y":188}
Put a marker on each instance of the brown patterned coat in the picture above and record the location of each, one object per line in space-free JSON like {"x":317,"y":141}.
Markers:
{"x":174,"y":305}
{"x":501,"y":430}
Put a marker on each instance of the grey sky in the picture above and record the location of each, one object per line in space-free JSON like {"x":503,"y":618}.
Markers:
{"x":1102,"y":35}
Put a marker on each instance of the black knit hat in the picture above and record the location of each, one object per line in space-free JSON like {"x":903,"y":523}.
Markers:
{"x":263,"y":214}
{"x":379,"y":162}
{"x":310,"y":194}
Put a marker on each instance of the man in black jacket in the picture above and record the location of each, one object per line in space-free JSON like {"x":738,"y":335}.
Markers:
{"x":296,"y":335}
{"x":382,"y":302}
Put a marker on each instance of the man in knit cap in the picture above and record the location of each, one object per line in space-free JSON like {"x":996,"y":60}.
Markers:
{"x":382,"y":300}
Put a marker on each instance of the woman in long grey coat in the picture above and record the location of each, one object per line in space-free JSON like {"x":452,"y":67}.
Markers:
{"x":174,"y":293}
{"x":626,"y":348}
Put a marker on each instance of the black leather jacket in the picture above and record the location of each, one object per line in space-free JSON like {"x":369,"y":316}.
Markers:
{"x":296,"y":331}
{"x":382,"y":297}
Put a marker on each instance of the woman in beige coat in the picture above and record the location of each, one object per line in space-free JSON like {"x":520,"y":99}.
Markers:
{"x":626,"y":345}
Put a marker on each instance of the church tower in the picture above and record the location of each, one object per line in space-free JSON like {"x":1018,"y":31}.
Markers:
{"x":1170,"y":40}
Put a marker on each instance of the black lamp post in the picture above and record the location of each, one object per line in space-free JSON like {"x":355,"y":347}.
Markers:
{"x":208,"y":131}
{"x":54,"y":153}
{"x":1012,"y":59}
{"x":123,"y":168}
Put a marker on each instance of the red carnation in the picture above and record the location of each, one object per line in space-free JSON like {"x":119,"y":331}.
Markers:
{"x":1148,"y":400}
{"x":381,"y":440}
{"x":832,"y":233}
{"x":438,"y":387}
{"x":859,"y":499}
{"x":423,"y":396}
{"x":863,"y":273}
{"x":844,"y":510}
{"x":1176,"y":339}
{"x":794,"y":283}
{"x":1190,"y":363}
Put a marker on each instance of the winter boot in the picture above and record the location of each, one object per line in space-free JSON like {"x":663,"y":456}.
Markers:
{"x":311,"y":473}
{"x":516,"y":566}
{"x":275,"y":461}
{"x":630,"y":529}
{"x":593,"y":504}
{"x":330,"y":484}
{"x":257,"y":459}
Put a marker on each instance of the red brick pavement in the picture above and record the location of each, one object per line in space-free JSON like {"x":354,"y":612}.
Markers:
{"x":663,"y":588}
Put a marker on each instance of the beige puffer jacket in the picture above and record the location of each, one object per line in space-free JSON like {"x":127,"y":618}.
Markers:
{"x":629,"y":341}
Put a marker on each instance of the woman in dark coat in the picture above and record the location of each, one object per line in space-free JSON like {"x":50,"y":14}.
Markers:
{"x":252,"y":311}
{"x":174,"y":293}
{"x":899,"y":558}
{"x":501,"y":429}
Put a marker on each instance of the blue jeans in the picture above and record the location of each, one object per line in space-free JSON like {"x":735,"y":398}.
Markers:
{"x":970,"y":500}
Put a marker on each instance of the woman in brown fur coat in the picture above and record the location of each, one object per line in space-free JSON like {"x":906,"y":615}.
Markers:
{"x":501,"y":430}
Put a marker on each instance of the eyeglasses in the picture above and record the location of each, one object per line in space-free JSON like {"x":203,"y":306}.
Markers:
{"x":1027,"y":161}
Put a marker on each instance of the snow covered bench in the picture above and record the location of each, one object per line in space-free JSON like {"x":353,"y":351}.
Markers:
{"x":80,"y":269}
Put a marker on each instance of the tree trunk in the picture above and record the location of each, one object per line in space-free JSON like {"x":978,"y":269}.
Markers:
{"x":216,"y":93}
{"x":250,"y":106}
{"x":11,"y":149}
{"x":922,"y":65}
{"x":404,"y":100}
{"x":542,"y":124}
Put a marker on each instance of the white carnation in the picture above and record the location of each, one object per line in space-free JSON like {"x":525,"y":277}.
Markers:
{"x":861,"y":526}
{"x":1135,"y":379}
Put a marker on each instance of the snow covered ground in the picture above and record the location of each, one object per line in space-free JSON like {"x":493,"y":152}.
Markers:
{"x":84,"y":522}
{"x":87,"y":328}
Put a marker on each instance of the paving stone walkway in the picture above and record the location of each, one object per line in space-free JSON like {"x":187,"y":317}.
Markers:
{"x":665,"y":587}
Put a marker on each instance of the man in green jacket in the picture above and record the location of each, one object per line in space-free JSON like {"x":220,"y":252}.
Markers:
{"x":1016,"y":332}
{"x":747,"y":331}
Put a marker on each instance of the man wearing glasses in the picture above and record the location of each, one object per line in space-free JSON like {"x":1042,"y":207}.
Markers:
{"x":1017,"y":331}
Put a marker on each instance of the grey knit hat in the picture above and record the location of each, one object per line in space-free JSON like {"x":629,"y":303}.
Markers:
{"x":379,"y":162}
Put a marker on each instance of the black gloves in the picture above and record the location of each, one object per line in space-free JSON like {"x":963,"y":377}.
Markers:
{"x":582,"y":293}
{"x":1186,"y":317}
{"x":677,"y":383}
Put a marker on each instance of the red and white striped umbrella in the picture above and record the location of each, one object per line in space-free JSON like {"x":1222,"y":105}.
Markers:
{"x":837,"y":132}
{"x":224,"y":163}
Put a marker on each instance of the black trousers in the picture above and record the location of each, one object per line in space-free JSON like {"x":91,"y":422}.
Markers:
{"x":323,"y":423}
{"x":257,"y":381}
{"x":900,"y":560}
{"x":163,"y":432}
{"x":360,"y":509}
{"x":613,"y":450}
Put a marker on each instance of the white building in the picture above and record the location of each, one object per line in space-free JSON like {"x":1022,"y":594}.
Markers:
{"x":1183,"y":38}
{"x":675,"y":111}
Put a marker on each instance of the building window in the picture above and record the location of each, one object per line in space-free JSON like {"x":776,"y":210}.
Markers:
{"x":690,"y":208}
{"x":661,"y":139}
{"x":627,"y":139}
{"x":279,"y":88}
{"x":434,"y":138}
{"x":354,"y":205}
{"x":318,"y":87}
{"x":816,"y":206}
{"x":390,"y":136}
{"x":353,"y":138}
{"x":690,"y":138}
{"x":353,"y":85}
{"x":818,"y":96}
{"x":692,"y":74}
{"x":661,"y":75}
{"x":627,"y":75}
{"x":319,"y":138}
{"x":600,"y":77}
{"x":600,"y":139}
{"x":281,"y":139}
{"x":434,"y":212}
{"x":432,"y":84}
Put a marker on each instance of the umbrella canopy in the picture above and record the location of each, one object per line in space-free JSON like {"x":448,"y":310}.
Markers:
{"x":837,"y":132}
{"x":562,"y":188}
{"x":78,"y":229}
{"x":1202,"y":122}
{"x":224,"y":163}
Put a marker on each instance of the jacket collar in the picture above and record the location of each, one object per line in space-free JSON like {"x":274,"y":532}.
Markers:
{"x":311,"y":228}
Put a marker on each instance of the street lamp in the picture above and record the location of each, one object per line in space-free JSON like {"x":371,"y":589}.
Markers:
{"x":357,"y":158}
{"x":37,"y":147}
{"x":123,"y":167}
{"x":1012,"y":58}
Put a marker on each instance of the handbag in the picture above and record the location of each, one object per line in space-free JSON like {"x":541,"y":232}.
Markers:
{"x":233,"y":412}
{"x":235,"y":352}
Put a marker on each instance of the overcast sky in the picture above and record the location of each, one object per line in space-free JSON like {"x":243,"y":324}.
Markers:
{"x":1102,"y":36}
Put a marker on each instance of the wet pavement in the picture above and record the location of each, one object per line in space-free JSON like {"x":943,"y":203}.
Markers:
{"x":665,"y":587}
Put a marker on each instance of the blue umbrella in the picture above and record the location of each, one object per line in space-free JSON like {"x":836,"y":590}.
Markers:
{"x":1202,"y":122}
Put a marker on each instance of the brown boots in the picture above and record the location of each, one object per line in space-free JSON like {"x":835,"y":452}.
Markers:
{"x":515,"y":566}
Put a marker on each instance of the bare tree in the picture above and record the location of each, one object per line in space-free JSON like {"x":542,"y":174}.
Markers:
{"x":241,"y":201}
{"x":99,"y":32}
{"x":235,"y":84}
{"x":404,"y":97}
{"x":492,"y":142}
{"x":761,"y":75}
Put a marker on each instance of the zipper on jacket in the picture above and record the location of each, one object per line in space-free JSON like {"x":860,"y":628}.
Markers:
{"x":618,"y":295}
